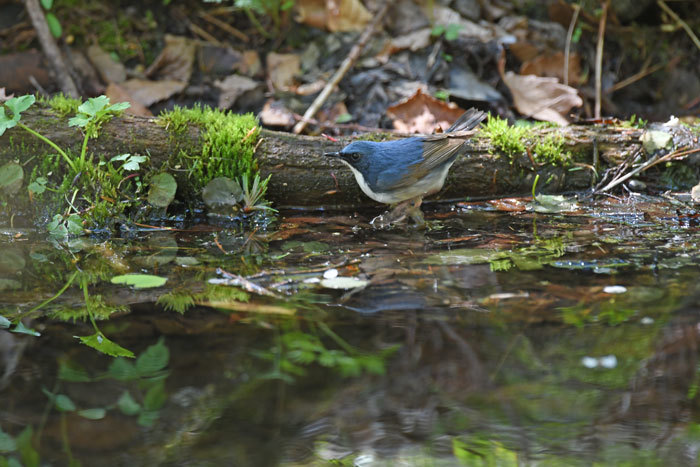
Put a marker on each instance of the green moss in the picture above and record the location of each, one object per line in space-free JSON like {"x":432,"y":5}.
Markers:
{"x":550,"y":150}
{"x":509,"y":139}
{"x":63,"y":105}
{"x":513,"y":141}
{"x":228,"y":143}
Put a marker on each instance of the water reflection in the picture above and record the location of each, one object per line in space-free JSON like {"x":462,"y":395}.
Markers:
{"x":493,"y":337}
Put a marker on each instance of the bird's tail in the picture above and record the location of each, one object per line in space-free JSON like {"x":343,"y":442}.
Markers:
{"x":469,"y":120}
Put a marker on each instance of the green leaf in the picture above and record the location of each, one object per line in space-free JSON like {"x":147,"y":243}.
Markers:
{"x":93,"y":105}
{"x":99,"y":342}
{"x":148,"y":417}
{"x":128,"y":405}
{"x":452,"y":32}
{"x":162,"y":191}
{"x":155,"y":397}
{"x":93,"y":414}
{"x":122,"y":369}
{"x":5,"y":122}
{"x":79,"y":120}
{"x":11,"y":178}
{"x":222,"y":192}
{"x":71,"y":371}
{"x":134,"y":162}
{"x":437,"y":30}
{"x":7,"y":442}
{"x":140,"y":281}
{"x":29,"y":456}
{"x":62,"y":402}
{"x":47,"y":4}
{"x":19,"y":104}
{"x":54,"y":25}
{"x":38,"y":186}
{"x":153,"y":359}
{"x":4,"y":322}
{"x":119,"y":106}
{"x":343,"y":118}
{"x":21,"y":329}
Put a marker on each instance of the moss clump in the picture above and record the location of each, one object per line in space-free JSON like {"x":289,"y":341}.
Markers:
{"x":509,"y":139}
{"x":513,"y":141}
{"x":62,"y":105}
{"x":550,"y":150}
{"x":228,"y":143}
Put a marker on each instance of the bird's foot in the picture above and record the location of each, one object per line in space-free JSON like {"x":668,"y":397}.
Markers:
{"x":406,"y":209}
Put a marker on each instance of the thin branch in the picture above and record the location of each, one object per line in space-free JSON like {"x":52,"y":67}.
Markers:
{"x":48,"y":45}
{"x":567,"y":48}
{"x":683,"y":24}
{"x":344,"y":67}
{"x":599,"y":59}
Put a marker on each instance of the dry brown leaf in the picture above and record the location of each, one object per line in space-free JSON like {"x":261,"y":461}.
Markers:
{"x":423,"y":114}
{"x":524,"y":51}
{"x":282,"y":68}
{"x":331,"y":115}
{"x":334,"y":15}
{"x":553,"y":66}
{"x":232,"y":87}
{"x":175,"y":61}
{"x":542,"y":98}
{"x":274,"y":113}
{"x":149,"y":92}
{"x":110,"y":71}
{"x":116,"y":93}
{"x":414,"y":41}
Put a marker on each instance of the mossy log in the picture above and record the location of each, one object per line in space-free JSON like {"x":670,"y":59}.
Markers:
{"x":301,"y":176}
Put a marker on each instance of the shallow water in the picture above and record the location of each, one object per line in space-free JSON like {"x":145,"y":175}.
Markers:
{"x":497,"y":336}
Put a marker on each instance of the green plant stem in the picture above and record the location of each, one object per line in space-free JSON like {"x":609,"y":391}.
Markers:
{"x":83,"y":149}
{"x":58,"y":294}
{"x":50,"y":143}
{"x":86,"y":296}
{"x":338,"y":340}
{"x":253,"y":19}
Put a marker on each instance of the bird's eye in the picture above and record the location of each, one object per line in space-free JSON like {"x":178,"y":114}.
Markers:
{"x":355,"y":156}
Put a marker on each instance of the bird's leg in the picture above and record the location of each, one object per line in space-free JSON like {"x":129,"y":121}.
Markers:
{"x":410,"y":207}
{"x":415,"y":212}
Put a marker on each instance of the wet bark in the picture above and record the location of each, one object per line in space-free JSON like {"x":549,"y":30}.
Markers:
{"x":301,"y":176}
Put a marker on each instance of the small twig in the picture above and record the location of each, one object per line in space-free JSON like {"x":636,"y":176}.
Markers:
{"x":683,"y":24}
{"x":634,"y":78}
{"x":223,"y":25}
{"x":567,"y":48}
{"x":344,"y":67}
{"x":203,"y":34}
{"x":240,"y":281}
{"x":599,"y":60}
{"x":48,"y":45}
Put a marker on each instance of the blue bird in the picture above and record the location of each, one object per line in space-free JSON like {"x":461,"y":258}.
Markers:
{"x":402,"y":172}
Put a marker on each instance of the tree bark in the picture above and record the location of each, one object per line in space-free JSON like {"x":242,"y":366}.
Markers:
{"x":301,"y":176}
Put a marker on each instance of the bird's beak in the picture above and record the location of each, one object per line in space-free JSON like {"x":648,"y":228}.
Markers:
{"x":332,"y":154}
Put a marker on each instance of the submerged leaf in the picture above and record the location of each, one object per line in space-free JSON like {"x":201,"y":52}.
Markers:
{"x":11,"y":177}
{"x":344,"y":283}
{"x":140,"y":281}
{"x":163,"y":188}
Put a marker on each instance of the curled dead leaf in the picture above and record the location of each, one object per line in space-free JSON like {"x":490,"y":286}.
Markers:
{"x":334,"y":15}
{"x":553,"y":66}
{"x":424,"y":114}
{"x":542,"y":98}
{"x":274,"y":113}
{"x":282,"y":68}
{"x":175,"y":61}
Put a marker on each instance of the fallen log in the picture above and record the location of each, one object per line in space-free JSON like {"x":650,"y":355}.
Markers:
{"x":301,"y":176}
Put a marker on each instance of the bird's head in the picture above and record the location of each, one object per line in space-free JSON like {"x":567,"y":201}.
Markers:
{"x":360,"y":155}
